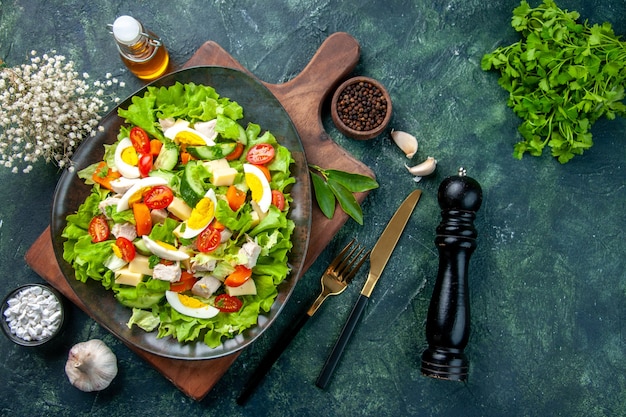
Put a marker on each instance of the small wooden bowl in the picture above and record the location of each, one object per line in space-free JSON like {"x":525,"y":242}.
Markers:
{"x":353,"y":131}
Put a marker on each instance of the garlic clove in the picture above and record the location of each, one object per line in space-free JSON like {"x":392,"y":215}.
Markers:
{"x":91,"y":365}
{"x":425,"y":168}
{"x":405,"y":141}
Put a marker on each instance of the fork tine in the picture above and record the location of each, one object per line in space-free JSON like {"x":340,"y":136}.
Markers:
{"x":355,"y":268}
{"x":346,"y":261}
{"x":341,"y":257}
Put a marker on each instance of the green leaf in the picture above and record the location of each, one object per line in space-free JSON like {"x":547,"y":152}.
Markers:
{"x":324,"y":196}
{"x":347,"y":201}
{"x":354,"y":182}
{"x":562,"y":76}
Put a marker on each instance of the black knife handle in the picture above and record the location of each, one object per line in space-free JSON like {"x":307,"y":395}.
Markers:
{"x":271,"y":357}
{"x":331,"y":363}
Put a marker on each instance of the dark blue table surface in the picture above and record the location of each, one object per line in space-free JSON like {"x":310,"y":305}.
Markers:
{"x":547,"y":280}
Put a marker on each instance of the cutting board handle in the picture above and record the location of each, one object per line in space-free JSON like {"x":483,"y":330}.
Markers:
{"x":332,"y":62}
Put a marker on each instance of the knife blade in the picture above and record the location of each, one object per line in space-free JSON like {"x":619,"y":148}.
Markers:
{"x":378,"y":260}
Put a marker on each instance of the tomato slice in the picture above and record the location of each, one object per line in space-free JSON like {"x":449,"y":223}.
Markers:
{"x":126,"y":248}
{"x":158,"y":197}
{"x":278,"y":199}
{"x":143,"y":221}
{"x":208,"y":239}
{"x":145,"y":164}
{"x":236,"y":153}
{"x":227,"y":303}
{"x":140,"y":140}
{"x":238,"y":277}
{"x":99,"y":229}
{"x":260,"y":154}
{"x":235,"y":197}
{"x":186,"y":282}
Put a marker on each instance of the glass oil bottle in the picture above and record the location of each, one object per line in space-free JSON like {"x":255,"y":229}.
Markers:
{"x":141,"y":50}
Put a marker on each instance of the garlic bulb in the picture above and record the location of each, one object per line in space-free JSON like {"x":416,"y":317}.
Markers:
{"x":405,"y":141}
{"x":91,"y":365}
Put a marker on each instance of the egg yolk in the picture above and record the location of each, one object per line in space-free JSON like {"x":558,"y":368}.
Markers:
{"x":189,"y":138}
{"x":116,"y":250}
{"x":202,"y":214}
{"x":137,"y":196}
{"x":256,"y":187}
{"x":166,"y":245}
{"x":129,"y":155}
{"x":190,"y":302}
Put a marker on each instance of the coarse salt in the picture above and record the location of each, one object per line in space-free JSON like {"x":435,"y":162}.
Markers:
{"x":33,"y":314}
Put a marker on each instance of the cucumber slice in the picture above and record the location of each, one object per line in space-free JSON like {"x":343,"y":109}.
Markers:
{"x":168,"y":156}
{"x":210,"y":153}
{"x":192,"y":183}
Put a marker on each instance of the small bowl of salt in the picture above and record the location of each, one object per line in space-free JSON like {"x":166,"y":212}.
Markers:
{"x":32,"y":314}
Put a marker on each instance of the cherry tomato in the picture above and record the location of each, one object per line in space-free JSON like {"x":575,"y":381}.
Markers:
{"x":158,"y":197}
{"x":227,"y":303}
{"x":145,"y":164}
{"x":186,"y":282}
{"x":140,"y":140}
{"x":278,"y":199}
{"x":236,"y":153}
{"x":208,"y":239}
{"x":238,"y":277}
{"x":126,"y":248}
{"x":260,"y":154}
{"x":99,"y":229}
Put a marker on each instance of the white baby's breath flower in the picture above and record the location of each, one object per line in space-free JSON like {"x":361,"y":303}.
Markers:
{"x":46,"y":110}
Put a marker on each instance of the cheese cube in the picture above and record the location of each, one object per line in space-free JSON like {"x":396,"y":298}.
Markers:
{"x":224,"y":177}
{"x":217,"y":164}
{"x":179,"y":209}
{"x":140,"y":265}
{"x":125,"y":277}
{"x":247,"y":288}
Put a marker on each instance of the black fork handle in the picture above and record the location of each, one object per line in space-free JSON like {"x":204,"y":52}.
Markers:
{"x":271,"y":357}
{"x":333,"y":360}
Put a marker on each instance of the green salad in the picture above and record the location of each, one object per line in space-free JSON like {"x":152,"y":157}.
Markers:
{"x":187,"y":220}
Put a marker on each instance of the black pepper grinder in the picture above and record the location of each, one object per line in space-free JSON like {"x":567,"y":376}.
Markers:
{"x":448,"y":321}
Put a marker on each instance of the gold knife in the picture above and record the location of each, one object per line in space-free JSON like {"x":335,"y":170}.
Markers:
{"x":378,"y":260}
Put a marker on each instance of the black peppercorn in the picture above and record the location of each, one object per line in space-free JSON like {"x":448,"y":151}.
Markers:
{"x":362,"y":106}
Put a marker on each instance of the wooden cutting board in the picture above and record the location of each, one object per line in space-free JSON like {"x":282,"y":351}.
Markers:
{"x":302,"y":98}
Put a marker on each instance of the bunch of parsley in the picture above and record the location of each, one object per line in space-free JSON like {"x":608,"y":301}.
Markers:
{"x":561,"y":78}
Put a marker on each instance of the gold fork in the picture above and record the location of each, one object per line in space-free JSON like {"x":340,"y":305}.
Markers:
{"x":334,"y":281}
{"x":339,"y":273}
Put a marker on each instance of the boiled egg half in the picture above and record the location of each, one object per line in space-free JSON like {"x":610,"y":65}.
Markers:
{"x":190,"y":306}
{"x":201,"y":215}
{"x":259,"y":186}
{"x":181,"y":133}
{"x":126,"y":159}
{"x":164,"y":250}
{"x":135,"y":192}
